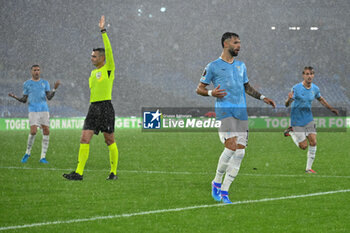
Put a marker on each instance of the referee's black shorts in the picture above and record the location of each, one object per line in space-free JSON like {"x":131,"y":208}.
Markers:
{"x":100,"y":117}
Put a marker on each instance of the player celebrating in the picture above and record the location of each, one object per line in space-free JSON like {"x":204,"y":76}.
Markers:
{"x":230,"y":80}
{"x":101,"y":116}
{"x":37,"y":91}
{"x":303,"y":128}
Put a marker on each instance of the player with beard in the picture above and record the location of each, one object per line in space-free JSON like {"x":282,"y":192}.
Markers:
{"x":37,"y":91}
{"x":230,"y":80}
{"x":303,"y":128}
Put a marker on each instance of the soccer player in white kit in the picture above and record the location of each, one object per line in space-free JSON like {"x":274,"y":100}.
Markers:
{"x":231,"y":76}
{"x":36,"y":91}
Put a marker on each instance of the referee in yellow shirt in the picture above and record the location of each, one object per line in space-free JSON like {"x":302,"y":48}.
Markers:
{"x":101,"y":116}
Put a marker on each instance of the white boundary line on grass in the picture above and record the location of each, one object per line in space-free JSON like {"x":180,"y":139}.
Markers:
{"x":169,"y":210}
{"x":180,"y":173}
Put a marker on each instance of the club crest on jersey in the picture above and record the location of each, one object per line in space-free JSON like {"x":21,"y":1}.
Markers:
{"x":42,"y":84}
{"x":98,"y":75}
{"x":239,"y":68}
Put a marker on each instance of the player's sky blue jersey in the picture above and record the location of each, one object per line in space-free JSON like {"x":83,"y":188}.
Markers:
{"x":301,"y":113}
{"x":36,"y":91}
{"x":232,"y":78}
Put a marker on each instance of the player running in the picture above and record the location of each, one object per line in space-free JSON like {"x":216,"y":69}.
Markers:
{"x":101,"y":116}
{"x":230,"y":80}
{"x":37,"y":90}
{"x":303,"y":127}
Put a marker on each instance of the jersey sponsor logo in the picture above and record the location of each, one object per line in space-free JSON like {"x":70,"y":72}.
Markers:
{"x":204,"y":72}
{"x":98,"y":75}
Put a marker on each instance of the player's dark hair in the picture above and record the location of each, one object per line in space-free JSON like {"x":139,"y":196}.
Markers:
{"x":34,"y":66}
{"x":310,"y":68}
{"x":228,"y":35}
{"x":100,"y":50}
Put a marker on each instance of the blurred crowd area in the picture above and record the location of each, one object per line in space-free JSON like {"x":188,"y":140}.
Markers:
{"x":161,"y":48}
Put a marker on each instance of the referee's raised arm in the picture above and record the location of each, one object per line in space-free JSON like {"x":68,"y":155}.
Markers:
{"x":108,"y":48}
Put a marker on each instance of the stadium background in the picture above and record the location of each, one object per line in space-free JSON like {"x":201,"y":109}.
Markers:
{"x":162,"y":47}
{"x":164,"y":178}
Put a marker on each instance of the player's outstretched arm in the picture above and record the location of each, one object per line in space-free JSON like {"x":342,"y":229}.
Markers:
{"x":23,"y":99}
{"x":327,"y":105}
{"x":254,"y":93}
{"x":216,"y":92}
{"x":289,"y":100}
{"x":50,"y":94}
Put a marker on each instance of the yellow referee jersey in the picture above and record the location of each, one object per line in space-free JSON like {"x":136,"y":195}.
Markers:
{"x":101,"y":80}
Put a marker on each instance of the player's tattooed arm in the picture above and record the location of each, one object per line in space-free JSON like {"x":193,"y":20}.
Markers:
{"x":251,"y":91}
{"x":51,"y":94}
{"x":23,"y":99}
{"x":254,"y":93}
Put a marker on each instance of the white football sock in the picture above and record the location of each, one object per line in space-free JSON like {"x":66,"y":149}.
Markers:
{"x":294,"y":138}
{"x":310,"y":157}
{"x":44,"y":146}
{"x":223,"y":164}
{"x":232,"y":169}
{"x":31,"y":139}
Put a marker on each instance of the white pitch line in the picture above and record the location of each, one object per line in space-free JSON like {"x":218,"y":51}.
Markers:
{"x":305,"y":175}
{"x":179,"y":173}
{"x":131,"y":171}
{"x":169,"y":210}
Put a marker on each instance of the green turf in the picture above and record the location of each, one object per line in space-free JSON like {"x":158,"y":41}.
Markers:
{"x":273,"y":167}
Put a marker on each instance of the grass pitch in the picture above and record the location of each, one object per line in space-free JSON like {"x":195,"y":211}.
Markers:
{"x":164,"y":185}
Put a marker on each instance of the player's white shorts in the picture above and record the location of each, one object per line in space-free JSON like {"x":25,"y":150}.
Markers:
{"x":233,"y":127}
{"x":301,"y":132}
{"x":39,"y":118}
